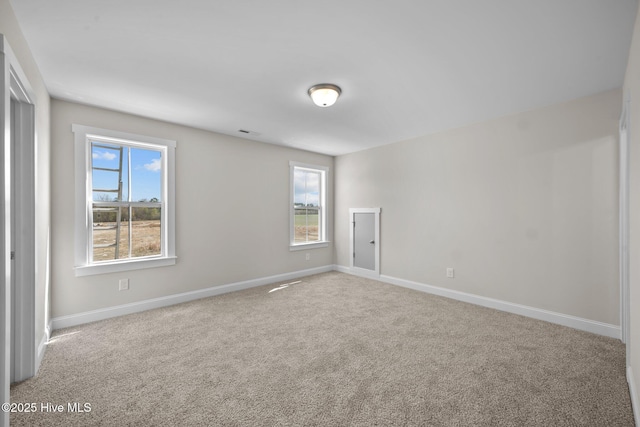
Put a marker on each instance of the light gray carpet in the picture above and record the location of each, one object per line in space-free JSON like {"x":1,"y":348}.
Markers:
{"x":334,"y":350}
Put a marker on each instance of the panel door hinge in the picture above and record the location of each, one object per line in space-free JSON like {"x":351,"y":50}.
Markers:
{"x":13,"y":254}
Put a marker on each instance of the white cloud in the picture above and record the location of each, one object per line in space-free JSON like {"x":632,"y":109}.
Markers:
{"x":306,"y":187}
{"x":154,"y":166}
{"x":104,"y":155}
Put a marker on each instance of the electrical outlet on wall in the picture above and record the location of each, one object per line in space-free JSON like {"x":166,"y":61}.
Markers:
{"x":308,"y":256}
{"x":123,"y":285}
{"x":450,"y":272}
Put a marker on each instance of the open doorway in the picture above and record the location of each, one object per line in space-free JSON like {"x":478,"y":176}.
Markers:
{"x":17,"y":225}
{"x":23,"y":353}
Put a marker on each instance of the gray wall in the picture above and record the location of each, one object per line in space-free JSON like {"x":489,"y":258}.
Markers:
{"x":232,"y":213}
{"x":525,"y":207}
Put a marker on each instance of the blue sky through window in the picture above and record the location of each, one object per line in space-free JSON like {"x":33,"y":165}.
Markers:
{"x":146,"y":176}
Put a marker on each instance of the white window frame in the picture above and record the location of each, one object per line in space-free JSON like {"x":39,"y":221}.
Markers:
{"x":324,"y":172}
{"x":83,"y":136}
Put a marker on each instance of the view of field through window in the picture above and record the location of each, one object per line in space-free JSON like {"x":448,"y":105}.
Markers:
{"x":145,"y":234}
{"x":127,"y":204}
{"x":307,"y":209}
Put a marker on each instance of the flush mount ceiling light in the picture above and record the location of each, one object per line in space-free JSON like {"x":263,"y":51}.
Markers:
{"x":324,"y":95}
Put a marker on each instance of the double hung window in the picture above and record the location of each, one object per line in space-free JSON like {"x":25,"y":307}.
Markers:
{"x":124,"y":201}
{"x":308,"y":206}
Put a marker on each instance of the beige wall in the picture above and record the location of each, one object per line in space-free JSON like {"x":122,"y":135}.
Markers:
{"x":525,"y":207}
{"x":632,"y":89}
{"x":232,"y":213}
{"x":9,"y":27}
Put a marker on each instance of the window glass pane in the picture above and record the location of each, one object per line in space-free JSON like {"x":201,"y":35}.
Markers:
{"x":145,"y":232}
{"x":105,"y":181}
{"x":306,"y":225}
{"x":105,"y":229}
{"x":306,"y":187}
{"x":109,"y":168}
{"x":146,"y":175}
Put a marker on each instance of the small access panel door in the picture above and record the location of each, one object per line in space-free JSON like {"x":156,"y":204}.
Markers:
{"x":364,"y":241}
{"x":365,"y":232}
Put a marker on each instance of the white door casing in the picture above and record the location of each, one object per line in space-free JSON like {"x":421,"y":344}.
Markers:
{"x":23,"y":223}
{"x":16,"y":124}
{"x":624,"y":224}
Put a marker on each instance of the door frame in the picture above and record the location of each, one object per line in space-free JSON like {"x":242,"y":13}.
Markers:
{"x":363,"y":271}
{"x":16,"y":85}
{"x":24,"y":222}
{"x":624,"y":223}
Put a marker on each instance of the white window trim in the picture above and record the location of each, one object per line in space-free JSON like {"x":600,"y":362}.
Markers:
{"x":323,"y":243}
{"x":83,"y":192}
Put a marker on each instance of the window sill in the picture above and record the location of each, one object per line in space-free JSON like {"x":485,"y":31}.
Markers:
{"x":305,"y":246}
{"x":114,"y":267}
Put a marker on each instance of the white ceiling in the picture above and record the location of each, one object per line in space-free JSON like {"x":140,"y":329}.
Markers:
{"x":406,"y":67}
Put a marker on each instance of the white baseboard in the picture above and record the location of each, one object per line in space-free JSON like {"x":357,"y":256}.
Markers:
{"x":592,"y":326}
{"x":342,"y":269}
{"x":635,"y":404}
{"x":120,"y":310}
{"x":43,"y":345}
{"x":361,"y":272}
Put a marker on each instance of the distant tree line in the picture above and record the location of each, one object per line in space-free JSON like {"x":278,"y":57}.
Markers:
{"x":311,"y":207}
{"x":137,"y":213}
